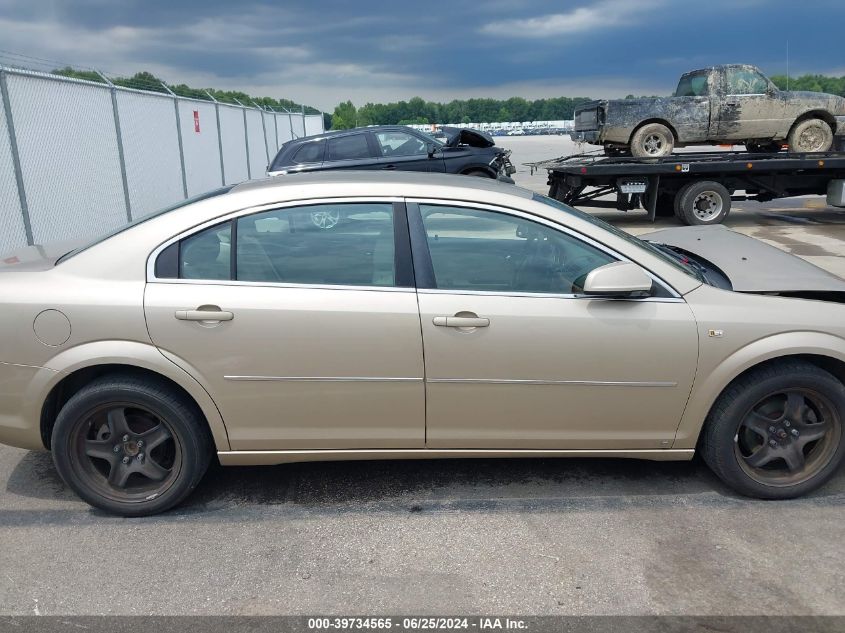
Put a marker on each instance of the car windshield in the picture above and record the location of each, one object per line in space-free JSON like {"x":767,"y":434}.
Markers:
{"x":182,"y":203}
{"x":683,"y":264}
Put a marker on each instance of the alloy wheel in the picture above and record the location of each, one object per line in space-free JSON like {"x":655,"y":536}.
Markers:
{"x":788,"y":437}
{"x":126,"y":452}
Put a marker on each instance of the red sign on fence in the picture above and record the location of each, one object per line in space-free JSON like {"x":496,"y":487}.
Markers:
{"x":196,"y":121}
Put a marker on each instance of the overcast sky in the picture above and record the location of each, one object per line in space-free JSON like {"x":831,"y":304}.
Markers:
{"x":323,"y":52}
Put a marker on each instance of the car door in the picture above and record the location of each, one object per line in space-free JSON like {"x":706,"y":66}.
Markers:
{"x":351,"y":151}
{"x":306,"y":336}
{"x":747,"y":109}
{"x":400,"y":150}
{"x":515,"y":358}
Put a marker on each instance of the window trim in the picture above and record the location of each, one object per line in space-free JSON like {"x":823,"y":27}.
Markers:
{"x":402,"y":258}
{"x":424,"y":267}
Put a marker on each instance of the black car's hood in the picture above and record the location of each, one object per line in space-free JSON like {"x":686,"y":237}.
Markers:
{"x":465,"y":136}
{"x":751,"y":265}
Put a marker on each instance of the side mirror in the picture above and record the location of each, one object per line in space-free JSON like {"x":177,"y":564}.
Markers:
{"x":618,"y":280}
{"x":430,"y":148}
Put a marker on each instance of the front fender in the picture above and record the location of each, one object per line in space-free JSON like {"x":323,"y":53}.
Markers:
{"x":131,"y":354}
{"x":708,"y":387}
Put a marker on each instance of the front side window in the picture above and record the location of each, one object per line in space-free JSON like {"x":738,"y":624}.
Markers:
{"x":349,"y":147}
{"x":325,"y":244}
{"x":400,"y":144}
{"x":744,"y":81}
{"x":479,"y":250}
{"x":693,"y":85}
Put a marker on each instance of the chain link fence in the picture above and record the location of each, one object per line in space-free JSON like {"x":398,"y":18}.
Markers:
{"x":80,"y":158}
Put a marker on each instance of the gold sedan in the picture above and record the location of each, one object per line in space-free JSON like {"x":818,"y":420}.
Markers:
{"x":336,"y":316}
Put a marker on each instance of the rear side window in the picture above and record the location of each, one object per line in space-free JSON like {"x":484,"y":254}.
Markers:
{"x":348,"y":244}
{"x":693,"y":85}
{"x":310,"y":153}
{"x":326,"y":244}
{"x":207,"y":254}
{"x":349,"y":147}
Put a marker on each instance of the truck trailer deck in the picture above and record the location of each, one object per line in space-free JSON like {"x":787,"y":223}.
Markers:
{"x":696,"y":187}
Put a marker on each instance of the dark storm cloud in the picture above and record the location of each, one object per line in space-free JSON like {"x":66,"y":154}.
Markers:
{"x":379,"y":50}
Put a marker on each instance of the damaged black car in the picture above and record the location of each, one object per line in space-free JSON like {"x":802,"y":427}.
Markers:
{"x":396,"y":147}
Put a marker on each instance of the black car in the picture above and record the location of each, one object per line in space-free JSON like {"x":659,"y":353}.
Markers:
{"x":393,"y":147}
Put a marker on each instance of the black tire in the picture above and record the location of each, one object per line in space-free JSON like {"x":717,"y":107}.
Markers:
{"x":98,"y":441}
{"x":766,"y":147}
{"x":810,"y":135}
{"x":652,"y":141}
{"x":479,"y":173}
{"x":725,"y":438}
{"x":703,"y":202}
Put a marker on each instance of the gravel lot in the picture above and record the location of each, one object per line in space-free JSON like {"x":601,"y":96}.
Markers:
{"x":509,"y":536}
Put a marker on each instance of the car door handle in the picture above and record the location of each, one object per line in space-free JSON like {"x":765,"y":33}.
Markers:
{"x":389,"y":167}
{"x":732,"y":103}
{"x":204,"y":315}
{"x":458,"y":321}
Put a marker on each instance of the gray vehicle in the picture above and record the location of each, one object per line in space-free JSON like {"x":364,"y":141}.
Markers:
{"x":733,"y":104}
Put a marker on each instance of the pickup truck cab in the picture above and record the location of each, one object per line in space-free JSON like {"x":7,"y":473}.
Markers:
{"x":732,"y":104}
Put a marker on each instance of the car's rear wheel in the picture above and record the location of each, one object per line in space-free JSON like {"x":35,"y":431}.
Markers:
{"x":776,"y":433}
{"x":702,"y":202}
{"x":652,"y":141}
{"x":812,"y":135}
{"x":130,"y":446}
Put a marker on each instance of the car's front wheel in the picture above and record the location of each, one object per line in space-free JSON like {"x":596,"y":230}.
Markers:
{"x":812,"y":135}
{"x":130,"y":446}
{"x":776,"y":433}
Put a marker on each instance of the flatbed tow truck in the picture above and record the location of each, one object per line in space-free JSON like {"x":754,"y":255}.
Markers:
{"x":696,"y":187}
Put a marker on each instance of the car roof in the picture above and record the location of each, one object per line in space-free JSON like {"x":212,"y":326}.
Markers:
{"x":355,"y":130}
{"x":376,"y":183}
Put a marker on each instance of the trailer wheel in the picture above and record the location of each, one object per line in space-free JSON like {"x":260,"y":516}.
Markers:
{"x":702,"y":202}
{"x":652,"y":140}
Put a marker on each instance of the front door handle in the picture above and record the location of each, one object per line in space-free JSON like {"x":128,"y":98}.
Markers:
{"x":461,"y":321}
{"x":389,"y":167}
{"x":204,"y":315}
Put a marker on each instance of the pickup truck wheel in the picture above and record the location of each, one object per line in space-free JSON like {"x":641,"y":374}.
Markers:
{"x":703,"y":202}
{"x":812,"y":135}
{"x":651,"y":141}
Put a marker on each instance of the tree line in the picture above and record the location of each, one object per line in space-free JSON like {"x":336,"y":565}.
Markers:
{"x":417,"y":110}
